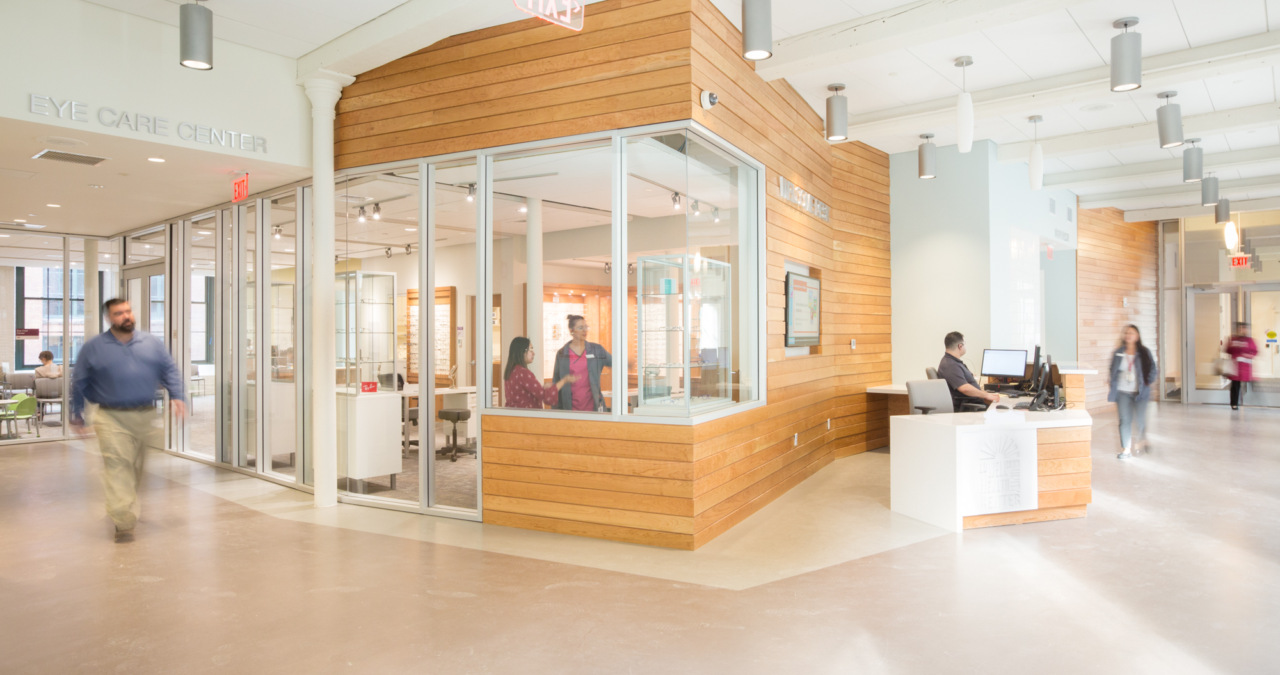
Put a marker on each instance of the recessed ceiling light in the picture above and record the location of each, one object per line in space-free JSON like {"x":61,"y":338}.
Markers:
{"x":19,"y":220}
{"x":3,"y":235}
{"x":206,"y":232}
{"x":158,"y":160}
{"x":410,"y":229}
{"x":1097,"y":107}
{"x":288,"y":250}
{"x":54,"y":206}
{"x":33,"y":226}
{"x":96,"y":187}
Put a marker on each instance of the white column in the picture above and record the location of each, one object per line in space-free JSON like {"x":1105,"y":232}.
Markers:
{"x":324,"y":88}
{"x":92,"y":293}
{"x":533,"y":298}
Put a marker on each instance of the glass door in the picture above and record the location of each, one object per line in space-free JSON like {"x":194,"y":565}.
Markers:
{"x":147,"y":294}
{"x":1262,"y":311}
{"x":1211,"y":313}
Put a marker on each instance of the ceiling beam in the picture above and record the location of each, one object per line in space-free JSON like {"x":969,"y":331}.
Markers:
{"x":915,"y":23}
{"x":1161,"y":71}
{"x":1187,"y":190}
{"x":1235,"y":119}
{"x":1174,"y":212}
{"x":1074,"y":180}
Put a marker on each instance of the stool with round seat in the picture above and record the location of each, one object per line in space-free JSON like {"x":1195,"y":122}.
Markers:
{"x":454,"y":415}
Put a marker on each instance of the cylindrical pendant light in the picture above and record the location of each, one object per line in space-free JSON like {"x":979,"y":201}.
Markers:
{"x":964,"y":108}
{"x":1193,"y":162}
{"x":1230,"y":236}
{"x":757,"y":30}
{"x":1223,"y":210}
{"x":1209,"y":190}
{"x":195,"y":36}
{"x":1126,"y":56}
{"x":1169,"y":121}
{"x":837,"y":114}
{"x":927,"y":154}
{"x":1035,"y":163}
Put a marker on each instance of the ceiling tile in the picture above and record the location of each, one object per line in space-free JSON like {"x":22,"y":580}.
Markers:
{"x":1147,"y":152}
{"x":1157,"y":22}
{"x":817,"y":14}
{"x":1193,"y":98}
{"x":1236,"y":90}
{"x":1090,"y":160}
{"x":1254,"y":138}
{"x":902,"y":76}
{"x":1224,"y":174}
{"x":1113,"y":110}
{"x":1057,"y":122}
{"x":1052,"y":165}
{"x":1271,"y":168}
{"x":874,"y":6}
{"x":991,"y":67}
{"x":1046,"y":45}
{"x":1209,"y":22}
{"x":1273,"y":14}
{"x":1214,"y":144}
{"x":1122,"y":185}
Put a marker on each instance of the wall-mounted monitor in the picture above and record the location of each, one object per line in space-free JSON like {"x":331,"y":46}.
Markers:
{"x":804,"y":311}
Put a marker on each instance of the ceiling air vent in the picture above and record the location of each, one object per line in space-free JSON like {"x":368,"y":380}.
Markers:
{"x":74,"y":158}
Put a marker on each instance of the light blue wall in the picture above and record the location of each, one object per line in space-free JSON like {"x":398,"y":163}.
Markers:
{"x":1060,"y":305}
{"x":939,"y":241}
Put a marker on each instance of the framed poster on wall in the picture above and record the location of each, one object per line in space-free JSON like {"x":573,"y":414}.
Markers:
{"x":804,"y":309}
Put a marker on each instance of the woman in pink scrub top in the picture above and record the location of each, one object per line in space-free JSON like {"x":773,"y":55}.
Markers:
{"x":585,"y":361}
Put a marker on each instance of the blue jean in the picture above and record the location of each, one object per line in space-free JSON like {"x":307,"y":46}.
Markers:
{"x":1133,"y":419}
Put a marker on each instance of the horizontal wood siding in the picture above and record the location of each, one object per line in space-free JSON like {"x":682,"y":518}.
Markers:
{"x":1116,"y":285}
{"x":638,"y":63}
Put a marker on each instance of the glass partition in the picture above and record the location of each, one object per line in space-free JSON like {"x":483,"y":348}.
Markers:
{"x":281,"y":335}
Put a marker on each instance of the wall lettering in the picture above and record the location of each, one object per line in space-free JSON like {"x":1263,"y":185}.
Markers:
{"x":803,"y":200}
{"x":79,"y":111}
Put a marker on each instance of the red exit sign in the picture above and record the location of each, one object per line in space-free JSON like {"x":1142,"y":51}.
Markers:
{"x":1239,"y":261}
{"x":240,"y":188}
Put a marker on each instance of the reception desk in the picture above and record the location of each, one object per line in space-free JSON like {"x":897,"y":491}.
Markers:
{"x":967,"y":470}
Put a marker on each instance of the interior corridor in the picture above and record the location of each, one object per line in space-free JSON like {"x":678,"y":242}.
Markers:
{"x":1175,"y":570}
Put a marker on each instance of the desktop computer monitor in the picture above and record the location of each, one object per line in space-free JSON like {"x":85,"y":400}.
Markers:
{"x":1004,"y":363}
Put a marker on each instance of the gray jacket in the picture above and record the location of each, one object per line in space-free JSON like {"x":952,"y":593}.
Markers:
{"x":598,"y":358}
{"x":1145,"y":380}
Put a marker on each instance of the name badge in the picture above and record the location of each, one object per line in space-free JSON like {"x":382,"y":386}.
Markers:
{"x":591,"y":356}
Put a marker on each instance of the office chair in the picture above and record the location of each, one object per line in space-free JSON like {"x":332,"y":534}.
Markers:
{"x":931,"y":372}
{"x":934,"y":396}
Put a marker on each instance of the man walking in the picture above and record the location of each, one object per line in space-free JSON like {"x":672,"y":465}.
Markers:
{"x":120,"y":371}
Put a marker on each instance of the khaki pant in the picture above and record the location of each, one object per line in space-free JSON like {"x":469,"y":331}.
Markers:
{"x":124,"y":436}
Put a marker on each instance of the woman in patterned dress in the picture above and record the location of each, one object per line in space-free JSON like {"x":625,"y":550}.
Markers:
{"x":521,"y":386}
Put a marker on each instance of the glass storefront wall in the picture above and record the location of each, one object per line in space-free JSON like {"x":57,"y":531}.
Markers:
{"x":51,"y":291}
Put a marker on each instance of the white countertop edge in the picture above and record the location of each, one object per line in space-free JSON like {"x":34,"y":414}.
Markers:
{"x":976,"y":420}
{"x":1076,"y":371}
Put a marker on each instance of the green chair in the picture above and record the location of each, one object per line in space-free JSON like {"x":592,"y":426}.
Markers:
{"x":24,"y":408}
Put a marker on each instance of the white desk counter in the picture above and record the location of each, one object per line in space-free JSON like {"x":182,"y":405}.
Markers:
{"x":967,"y":470}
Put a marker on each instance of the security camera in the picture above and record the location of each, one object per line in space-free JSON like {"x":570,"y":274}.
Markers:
{"x":709,"y":100}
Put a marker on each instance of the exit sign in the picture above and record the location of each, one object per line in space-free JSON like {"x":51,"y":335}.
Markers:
{"x":240,"y":188}
{"x":1239,"y":261}
{"x":567,"y":13}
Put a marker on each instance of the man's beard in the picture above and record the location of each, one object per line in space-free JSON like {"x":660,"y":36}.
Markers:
{"x":126,"y":326}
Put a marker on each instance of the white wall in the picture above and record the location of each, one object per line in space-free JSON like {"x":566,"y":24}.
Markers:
{"x":74,"y":50}
{"x":939,"y":240}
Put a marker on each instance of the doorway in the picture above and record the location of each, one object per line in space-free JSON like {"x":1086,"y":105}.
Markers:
{"x":1211,"y":316}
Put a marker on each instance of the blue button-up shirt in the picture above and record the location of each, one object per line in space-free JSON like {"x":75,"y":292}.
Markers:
{"x":123,"y":374}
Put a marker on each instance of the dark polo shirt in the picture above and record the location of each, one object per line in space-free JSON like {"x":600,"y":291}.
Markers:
{"x":957,"y":375}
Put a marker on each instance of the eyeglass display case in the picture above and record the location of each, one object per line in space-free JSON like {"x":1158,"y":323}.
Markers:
{"x":684,"y":354}
{"x":369,"y":425}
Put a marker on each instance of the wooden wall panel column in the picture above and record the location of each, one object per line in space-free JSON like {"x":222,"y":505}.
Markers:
{"x":639,"y":62}
{"x":1116,"y":285}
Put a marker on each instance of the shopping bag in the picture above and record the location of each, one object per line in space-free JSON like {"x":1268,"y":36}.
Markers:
{"x":1226,"y":366}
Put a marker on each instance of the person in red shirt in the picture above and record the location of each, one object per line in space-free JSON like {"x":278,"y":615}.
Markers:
{"x":521,"y":386}
{"x":1242,"y":349}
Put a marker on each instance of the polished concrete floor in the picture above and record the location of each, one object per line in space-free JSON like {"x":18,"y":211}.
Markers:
{"x":1176,"y":570}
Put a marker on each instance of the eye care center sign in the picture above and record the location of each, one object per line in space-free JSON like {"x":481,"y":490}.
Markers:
{"x":79,"y":111}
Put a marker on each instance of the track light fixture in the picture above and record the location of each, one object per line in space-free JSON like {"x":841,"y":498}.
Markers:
{"x":471,"y":192}
{"x":964,"y":108}
{"x":1126,"y":56}
{"x":1169,"y":121}
{"x":927,"y":154}
{"x":757,"y":30}
{"x":277,"y":231}
{"x":1209,"y":190}
{"x":388,"y":251}
{"x":1035,"y":163}
{"x":675,"y":201}
{"x":195,"y":37}
{"x":837,"y":114}
{"x":715,"y":214}
{"x":377,"y":212}
{"x":360,"y":215}
{"x":697,"y":208}
{"x":1192,"y":162}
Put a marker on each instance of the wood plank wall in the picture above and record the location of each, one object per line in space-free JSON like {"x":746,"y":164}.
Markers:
{"x":1116,"y":262}
{"x":665,"y":485}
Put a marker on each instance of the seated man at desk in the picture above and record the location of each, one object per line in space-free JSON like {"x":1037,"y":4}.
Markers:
{"x":964,"y":389}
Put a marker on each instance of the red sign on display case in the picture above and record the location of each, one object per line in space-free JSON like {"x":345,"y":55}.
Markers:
{"x":567,"y":13}
{"x":368,"y":387}
{"x":1239,"y":261}
{"x":240,"y":188}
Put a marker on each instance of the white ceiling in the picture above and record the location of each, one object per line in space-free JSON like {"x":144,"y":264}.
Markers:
{"x":1060,"y":42}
